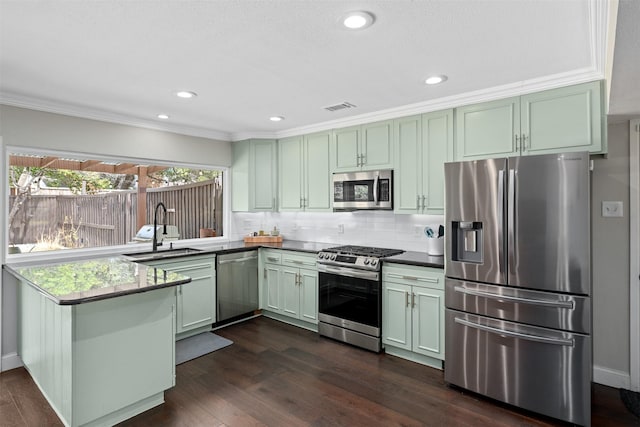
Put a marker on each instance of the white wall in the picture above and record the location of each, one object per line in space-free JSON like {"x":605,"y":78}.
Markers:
{"x":21,"y":127}
{"x":371,"y":228}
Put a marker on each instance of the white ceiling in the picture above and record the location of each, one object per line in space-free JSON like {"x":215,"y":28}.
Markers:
{"x":123,"y":60}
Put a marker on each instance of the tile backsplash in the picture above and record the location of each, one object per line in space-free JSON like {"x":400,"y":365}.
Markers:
{"x":369,"y":228}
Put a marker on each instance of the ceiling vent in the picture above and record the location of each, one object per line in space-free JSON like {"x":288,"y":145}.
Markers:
{"x":341,"y":106}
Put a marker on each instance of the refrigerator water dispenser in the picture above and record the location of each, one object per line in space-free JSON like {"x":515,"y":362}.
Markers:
{"x":467,"y":241}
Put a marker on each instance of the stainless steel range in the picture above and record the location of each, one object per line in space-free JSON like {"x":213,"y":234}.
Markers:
{"x":350,"y":294}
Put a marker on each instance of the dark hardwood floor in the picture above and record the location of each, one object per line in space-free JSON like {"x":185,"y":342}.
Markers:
{"x":279,"y":375}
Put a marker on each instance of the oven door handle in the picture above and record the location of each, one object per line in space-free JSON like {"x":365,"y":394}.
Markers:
{"x":350,"y":272}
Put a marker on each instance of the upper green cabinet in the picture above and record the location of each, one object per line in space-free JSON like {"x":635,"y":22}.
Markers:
{"x":557,"y":120}
{"x":422,"y":144}
{"x":366,"y":147}
{"x":253,"y":175}
{"x":304,"y":173}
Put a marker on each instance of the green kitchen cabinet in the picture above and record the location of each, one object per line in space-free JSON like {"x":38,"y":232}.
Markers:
{"x":195,"y":301}
{"x":413,"y":313}
{"x":551,"y":121}
{"x":423,"y":144}
{"x":366,"y":147}
{"x":304,"y":173}
{"x":254,"y":175}
{"x":290,"y":287}
{"x":99,"y":363}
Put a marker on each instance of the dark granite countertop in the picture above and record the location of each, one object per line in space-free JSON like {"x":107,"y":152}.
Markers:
{"x":421,"y":259}
{"x":82,"y":281}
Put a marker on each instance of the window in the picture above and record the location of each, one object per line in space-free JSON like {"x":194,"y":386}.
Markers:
{"x":61,"y":202}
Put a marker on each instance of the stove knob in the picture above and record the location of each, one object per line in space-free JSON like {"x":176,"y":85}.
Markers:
{"x":366,"y":261}
{"x":333,"y":257}
{"x":374,"y":262}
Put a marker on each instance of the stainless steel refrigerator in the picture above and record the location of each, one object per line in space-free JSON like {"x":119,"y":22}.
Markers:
{"x":518,"y":282}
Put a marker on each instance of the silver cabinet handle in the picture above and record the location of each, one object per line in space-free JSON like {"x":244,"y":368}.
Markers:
{"x":424,"y":200}
{"x":413,"y":300}
{"x":406,"y":297}
{"x":498,"y":331}
{"x":517,"y":142}
{"x":265,"y":273}
{"x":524,"y":142}
{"x":559,"y":304}
{"x":272,"y":259}
{"x":418,"y":202}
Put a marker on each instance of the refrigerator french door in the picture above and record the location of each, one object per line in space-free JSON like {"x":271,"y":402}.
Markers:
{"x":518,"y":282}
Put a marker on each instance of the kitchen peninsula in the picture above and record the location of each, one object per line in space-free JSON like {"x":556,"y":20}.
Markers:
{"x":97,"y":336}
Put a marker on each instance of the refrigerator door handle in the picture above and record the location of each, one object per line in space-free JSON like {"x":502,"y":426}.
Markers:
{"x":559,"y":304}
{"x":501,"y":221}
{"x":511,"y":220}
{"x":498,"y":331}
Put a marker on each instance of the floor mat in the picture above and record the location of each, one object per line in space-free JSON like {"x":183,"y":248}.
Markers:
{"x":631,"y":400}
{"x":199,"y":345}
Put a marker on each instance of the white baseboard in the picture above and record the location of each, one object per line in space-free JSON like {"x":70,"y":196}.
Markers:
{"x":10,"y":361}
{"x":611,"y":377}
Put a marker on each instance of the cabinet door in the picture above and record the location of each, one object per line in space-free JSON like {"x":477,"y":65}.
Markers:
{"x":487,"y":130}
{"x":290,"y":167}
{"x":376,"y":146}
{"x":428,"y":322}
{"x":308,"y":295}
{"x":565,"y":119}
{"x":240,"y":176}
{"x":345,"y":155}
{"x":396,"y":315}
{"x":196,"y":302}
{"x":272,"y":287}
{"x":407,"y":178}
{"x":317,"y":172}
{"x":437,"y":148}
{"x":263,"y":194}
{"x":290,"y":292}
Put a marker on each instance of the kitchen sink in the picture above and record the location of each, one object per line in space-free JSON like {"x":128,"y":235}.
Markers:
{"x":160,"y":254}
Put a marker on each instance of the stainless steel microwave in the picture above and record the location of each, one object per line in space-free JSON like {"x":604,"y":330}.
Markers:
{"x":363,"y":190}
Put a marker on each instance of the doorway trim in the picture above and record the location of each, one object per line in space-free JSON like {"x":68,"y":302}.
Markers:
{"x":634,"y":254}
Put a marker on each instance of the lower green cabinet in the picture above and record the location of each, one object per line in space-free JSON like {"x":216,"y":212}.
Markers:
{"x":413,"y":313}
{"x":290,"y":285}
{"x":195,"y":301}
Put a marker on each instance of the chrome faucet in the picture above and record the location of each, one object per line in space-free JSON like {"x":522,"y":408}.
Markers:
{"x":155,"y":225}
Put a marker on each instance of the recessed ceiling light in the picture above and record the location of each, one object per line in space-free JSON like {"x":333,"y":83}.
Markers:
{"x":434,"y":80}
{"x":186,"y":94}
{"x":357,"y":20}
{"x":276,"y":118}
{"x":163,"y":116}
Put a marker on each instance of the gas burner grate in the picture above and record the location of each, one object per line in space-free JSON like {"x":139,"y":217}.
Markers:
{"x":364,"y":251}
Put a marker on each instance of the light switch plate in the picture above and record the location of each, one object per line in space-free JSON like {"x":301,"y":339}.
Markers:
{"x":612,"y":209}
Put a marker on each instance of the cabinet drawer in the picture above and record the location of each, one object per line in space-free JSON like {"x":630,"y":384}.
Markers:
{"x":413,"y":275}
{"x":271,"y":256}
{"x":293,"y":259}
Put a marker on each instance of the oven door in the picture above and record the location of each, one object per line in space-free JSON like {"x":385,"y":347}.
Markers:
{"x":350,"y":298}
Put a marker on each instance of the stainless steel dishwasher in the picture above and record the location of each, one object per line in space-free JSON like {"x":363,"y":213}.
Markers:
{"x":236,"y":284}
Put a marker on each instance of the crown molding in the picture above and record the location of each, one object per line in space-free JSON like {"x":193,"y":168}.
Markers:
{"x":498,"y":92}
{"x":48,"y":106}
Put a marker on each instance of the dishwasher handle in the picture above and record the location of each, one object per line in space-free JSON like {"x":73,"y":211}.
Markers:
{"x":229,"y":261}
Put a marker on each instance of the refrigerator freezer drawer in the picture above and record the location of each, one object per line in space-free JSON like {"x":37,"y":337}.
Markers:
{"x":547,"y":309}
{"x":534,"y":368}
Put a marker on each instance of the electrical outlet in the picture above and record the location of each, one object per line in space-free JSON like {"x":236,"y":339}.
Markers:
{"x":612,"y":209}
{"x":340,"y":228}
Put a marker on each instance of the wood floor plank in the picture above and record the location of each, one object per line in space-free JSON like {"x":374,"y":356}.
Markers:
{"x":279,"y":375}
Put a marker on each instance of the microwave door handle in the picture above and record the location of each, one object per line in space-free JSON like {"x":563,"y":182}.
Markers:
{"x":375,"y":189}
